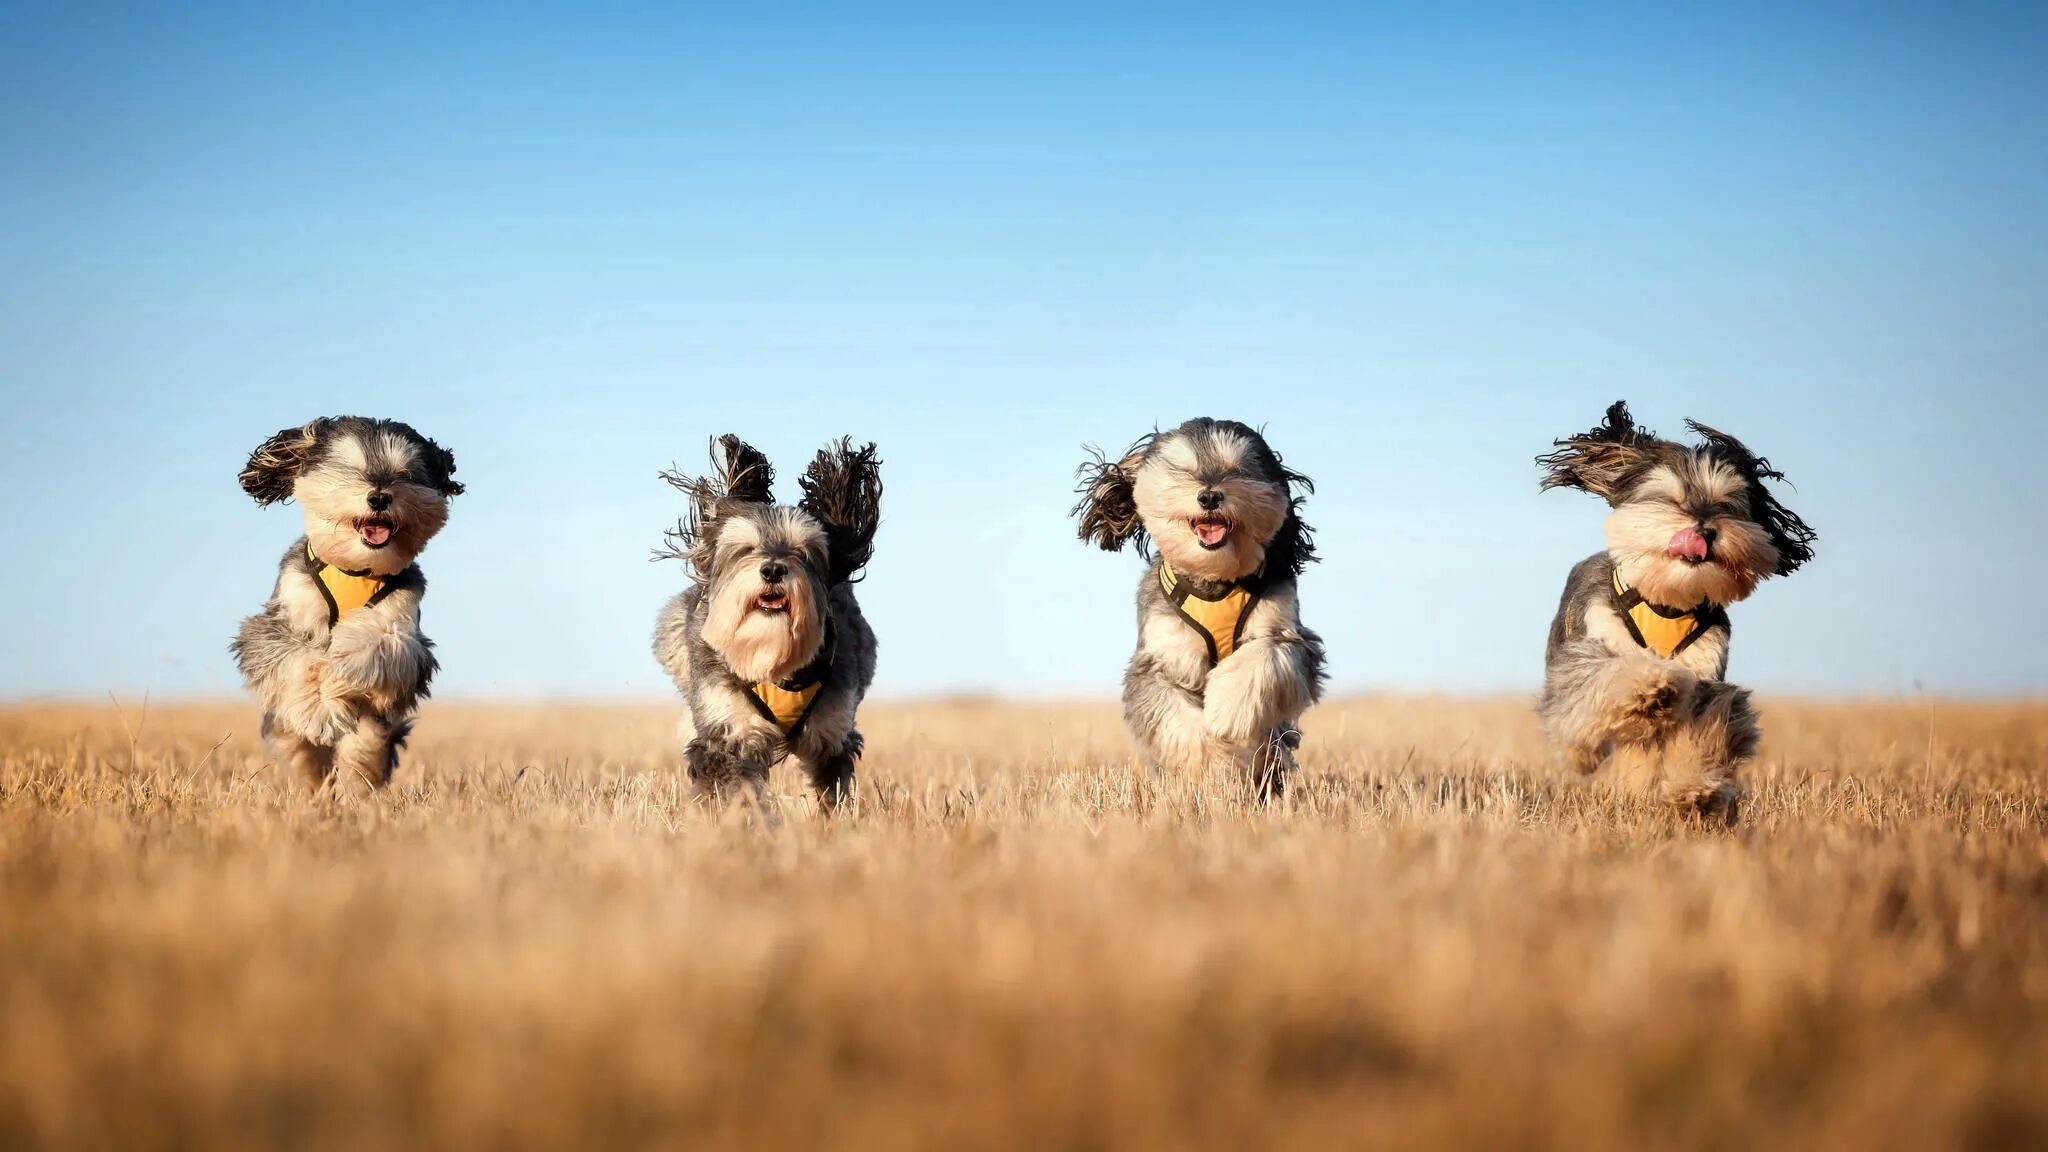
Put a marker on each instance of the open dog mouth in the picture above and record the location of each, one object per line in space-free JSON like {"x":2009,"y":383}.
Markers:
{"x":1211,"y":531}
{"x":375,"y":531}
{"x":772,"y":600}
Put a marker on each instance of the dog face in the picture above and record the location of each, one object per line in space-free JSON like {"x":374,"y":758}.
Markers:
{"x":766,"y":593}
{"x":374,"y":492}
{"x":1691,"y":524}
{"x":767,"y":569}
{"x":1211,"y":495}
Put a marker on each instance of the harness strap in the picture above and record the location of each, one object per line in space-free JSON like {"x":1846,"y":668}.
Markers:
{"x":1665,"y":631}
{"x":345,"y":591}
{"x":1219,"y":621}
{"x":787,"y":703}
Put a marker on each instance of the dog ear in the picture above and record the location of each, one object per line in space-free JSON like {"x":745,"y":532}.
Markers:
{"x":276,"y":463}
{"x":1108,"y":508}
{"x":739,"y":473}
{"x":744,"y":474}
{"x":1789,"y":534}
{"x":441,"y":469}
{"x":1605,"y":461}
{"x":1293,"y":547}
{"x":843,"y":491}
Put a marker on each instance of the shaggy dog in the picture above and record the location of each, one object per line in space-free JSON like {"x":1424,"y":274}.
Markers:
{"x":1634,"y":671}
{"x":336,"y":655}
{"x":768,"y":645}
{"x":1223,"y":668}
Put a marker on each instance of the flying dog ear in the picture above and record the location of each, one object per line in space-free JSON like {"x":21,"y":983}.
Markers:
{"x":1108,"y":508}
{"x":739,"y":474}
{"x":843,"y":491}
{"x":276,"y":463}
{"x":441,"y":469}
{"x":1605,"y":461}
{"x":1293,"y":547}
{"x":1789,"y":534}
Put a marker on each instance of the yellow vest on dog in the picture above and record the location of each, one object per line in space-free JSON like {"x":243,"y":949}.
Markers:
{"x":1660,"y":630}
{"x":788,"y":704}
{"x":343,"y":590}
{"x":1220,"y":622}
{"x":787,"y":708}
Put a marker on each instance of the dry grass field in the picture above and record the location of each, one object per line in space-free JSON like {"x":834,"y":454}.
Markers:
{"x":1019,"y":940}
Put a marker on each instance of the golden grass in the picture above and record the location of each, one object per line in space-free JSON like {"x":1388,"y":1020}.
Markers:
{"x":1020,"y":941}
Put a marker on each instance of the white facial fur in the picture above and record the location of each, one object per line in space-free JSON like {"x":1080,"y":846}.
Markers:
{"x":1166,"y":488}
{"x":334,"y":493}
{"x":758,"y":644}
{"x":1701,"y":492}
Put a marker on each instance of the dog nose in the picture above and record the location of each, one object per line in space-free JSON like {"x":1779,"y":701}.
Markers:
{"x":1707,"y":533}
{"x":379,"y":501}
{"x":773,"y":571}
{"x":1210,"y":499}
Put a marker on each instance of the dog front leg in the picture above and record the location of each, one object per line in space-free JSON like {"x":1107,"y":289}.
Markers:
{"x":725,"y":769}
{"x":1166,"y":719}
{"x":1266,"y":681}
{"x":293,"y":752}
{"x":302,"y":702}
{"x":1595,"y":698}
{"x":365,"y":757}
{"x":385,"y":661}
{"x":832,"y":774}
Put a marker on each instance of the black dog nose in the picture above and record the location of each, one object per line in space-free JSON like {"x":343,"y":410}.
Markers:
{"x":1707,"y":533}
{"x":773,"y":571}
{"x":1210,"y":499}
{"x":379,"y":501}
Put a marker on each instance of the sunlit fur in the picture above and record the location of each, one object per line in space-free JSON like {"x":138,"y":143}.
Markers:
{"x":1187,"y":712}
{"x":1698,"y":492}
{"x":333,"y":493}
{"x":1671,"y":727}
{"x":757,"y":644}
{"x":717,"y":639}
{"x":339,"y":697}
{"x":1178,"y":469}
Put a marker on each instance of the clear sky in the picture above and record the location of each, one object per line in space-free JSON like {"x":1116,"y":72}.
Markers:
{"x":572,"y":244}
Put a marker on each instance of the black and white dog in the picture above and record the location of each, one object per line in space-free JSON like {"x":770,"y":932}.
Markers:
{"x":1224,"y":667}
{"x":1634,"y":672}
{"x":336,"y":655}
{"x":768,"y":644}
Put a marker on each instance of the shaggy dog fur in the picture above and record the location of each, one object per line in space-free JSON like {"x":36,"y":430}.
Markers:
{"x":1693,"y":530}
{"x":1223,"y":514}
{"x":339,"y":691}
{"x":771,"y":616}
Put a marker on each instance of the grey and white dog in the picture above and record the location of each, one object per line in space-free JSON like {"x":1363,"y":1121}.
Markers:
{"x":768,"y":645}
{"x":1224,"y":668}
{"x":336,"y":656}
{"x":1635,"y":670}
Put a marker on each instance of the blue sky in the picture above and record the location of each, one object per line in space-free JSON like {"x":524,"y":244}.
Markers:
{"x":572,"y":244}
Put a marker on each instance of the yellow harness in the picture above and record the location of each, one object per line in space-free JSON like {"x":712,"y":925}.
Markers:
{"x":788,"y":709}
{"x":1220,"y":621}
{"x":1661,"y":630}
{"x":343,"y":590}
{"x":787,"y":704}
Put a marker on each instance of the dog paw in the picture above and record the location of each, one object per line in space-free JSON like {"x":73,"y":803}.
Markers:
{"x":1233,"y":718}
{"x":1653,"y":702}
{"x":331,"y":721}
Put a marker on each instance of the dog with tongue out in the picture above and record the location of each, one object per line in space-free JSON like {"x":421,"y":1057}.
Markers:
{"x":1636,"y":666}
{"x":1224,"y":667}
{"x":336,"y":656}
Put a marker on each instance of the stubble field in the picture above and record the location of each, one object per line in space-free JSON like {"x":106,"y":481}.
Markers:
{"x":1019,"y":939}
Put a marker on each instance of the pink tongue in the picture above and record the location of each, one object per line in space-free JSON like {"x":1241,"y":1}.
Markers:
{"x":376,"y":534}
{"x":1212,"y":533}
{"x":1688,"y":544}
